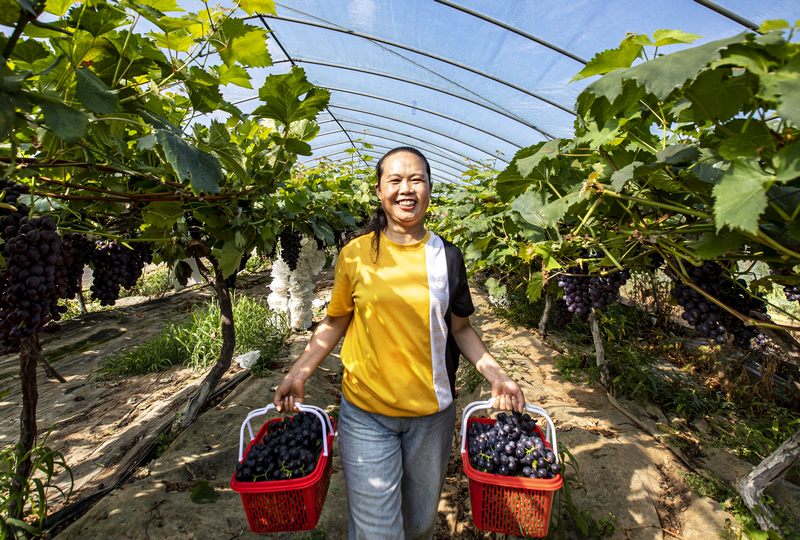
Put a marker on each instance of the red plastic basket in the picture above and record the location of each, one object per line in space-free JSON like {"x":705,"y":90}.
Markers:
{"x":509,"y":504}
{"x":286,"y":505}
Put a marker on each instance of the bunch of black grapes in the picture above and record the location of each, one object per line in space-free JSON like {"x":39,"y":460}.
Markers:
{"x":709,"y":319}
{"x":510,"y":447}
{"x":584,"y":292}
{"x":792,"y":292}
{"x":116,"y":266}
{"x":76,"y":250}
{"x":33,"y":280}
{"x":290,"y":247}
{"x":289,"y":450}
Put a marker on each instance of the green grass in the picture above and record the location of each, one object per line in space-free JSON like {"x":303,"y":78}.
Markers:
{"x":196,"y":342}
{"x":154,"y":283}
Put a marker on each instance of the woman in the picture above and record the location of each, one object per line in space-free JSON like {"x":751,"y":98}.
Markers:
{"x":401,"y":296}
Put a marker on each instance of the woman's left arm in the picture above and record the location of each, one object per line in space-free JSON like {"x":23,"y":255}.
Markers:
{"x":507,"y":392}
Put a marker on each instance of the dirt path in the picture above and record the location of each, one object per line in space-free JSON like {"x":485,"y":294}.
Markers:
{"x":626,"y":472}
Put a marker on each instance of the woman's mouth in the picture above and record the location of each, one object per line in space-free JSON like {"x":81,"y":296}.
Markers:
{"x":406,"y":204}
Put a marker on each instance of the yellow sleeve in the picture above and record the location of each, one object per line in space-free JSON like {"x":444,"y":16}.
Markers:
{"x":342,"y":297}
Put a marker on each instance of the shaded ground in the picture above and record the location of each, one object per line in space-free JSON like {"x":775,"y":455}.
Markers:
{"x":627,"y":473}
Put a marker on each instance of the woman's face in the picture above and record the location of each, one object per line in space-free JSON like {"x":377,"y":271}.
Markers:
{"x":404,"y":190}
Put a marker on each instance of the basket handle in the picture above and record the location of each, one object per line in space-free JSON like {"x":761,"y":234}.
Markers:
{"x":319,"y":413}
{"x":550,"y":435}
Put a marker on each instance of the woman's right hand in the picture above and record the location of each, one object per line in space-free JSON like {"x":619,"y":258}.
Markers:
{"x":289,"y":393}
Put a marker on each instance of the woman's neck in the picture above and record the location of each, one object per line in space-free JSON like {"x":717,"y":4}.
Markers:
{"x":400,"y":235}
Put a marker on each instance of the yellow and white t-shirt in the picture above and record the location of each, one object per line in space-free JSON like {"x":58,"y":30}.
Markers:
{"x":398,"y":354}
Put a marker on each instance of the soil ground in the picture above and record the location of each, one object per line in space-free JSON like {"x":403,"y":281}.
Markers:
{"x":627,"y":470}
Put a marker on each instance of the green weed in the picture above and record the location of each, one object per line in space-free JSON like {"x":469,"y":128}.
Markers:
{"x":47,"y":464}
{"x":154,"y":283}
{"x":197,"y":341}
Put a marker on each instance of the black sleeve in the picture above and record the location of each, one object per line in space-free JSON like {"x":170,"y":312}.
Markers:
{"x":460,"y":298}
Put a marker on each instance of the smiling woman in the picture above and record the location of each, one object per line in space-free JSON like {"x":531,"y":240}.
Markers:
{"x":401,"y":299}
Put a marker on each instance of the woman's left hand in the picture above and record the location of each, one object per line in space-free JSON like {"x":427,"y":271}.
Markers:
{"x":508,"y":395}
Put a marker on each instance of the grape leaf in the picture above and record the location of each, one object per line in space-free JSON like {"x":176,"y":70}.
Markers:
{"x":787,"y":163}
{"x":58,"y":7}
{"x":712,"y":246}
{"x":201,"y":169}
{"x":9,"y":12}
{"x":739,"y":198}
{"x":609,"y":60}
{"x":549,"y":149}
{"x":242,"y":43}
{"x":228,"y":257}
{"x":161,"y":5}
{"x":233,"y":75}
{"x":68,"y":123}
{"x":748,"y":139}
{"x":664,"y":74}
{"x":510,"y":183}
{"x":783,"y":86}
{"x":535,"y":285}
{"x":622,"y":176}
{"x":259,"y":6}
{"x":204,"y":493}
{"x":672,"y":37}
{"x":162,"y":214}
{"x":715,"y":95}
{"x":94,"y":94}
{"x":282,"y":94}
{"x":29,"y":51}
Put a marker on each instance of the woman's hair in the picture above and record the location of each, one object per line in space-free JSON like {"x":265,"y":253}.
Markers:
{"x":378,"y":221}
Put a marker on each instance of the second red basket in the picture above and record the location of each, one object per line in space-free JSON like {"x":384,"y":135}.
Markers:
{"x":509,"y":504}
{"x":285,"y":505}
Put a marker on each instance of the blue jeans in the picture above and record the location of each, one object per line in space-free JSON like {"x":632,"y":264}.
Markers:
{"x":394,"y":468}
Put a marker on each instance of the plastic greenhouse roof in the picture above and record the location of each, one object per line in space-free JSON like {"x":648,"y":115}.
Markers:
{"x":433,"y":74}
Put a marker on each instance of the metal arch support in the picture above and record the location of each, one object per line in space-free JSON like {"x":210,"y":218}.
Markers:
{"x":493,"y":108}
{"x":417,"y":138}
{"x":289,"y":59}
{"x":426,"y":54}
{"x":732,"y":15}
{"x":405,"y":143}
{"x":407,"y":123}
{"x":376,"y":154}
{"x":427,"y":154}
{"x":411,"y":106}
{"x":510,"y":28}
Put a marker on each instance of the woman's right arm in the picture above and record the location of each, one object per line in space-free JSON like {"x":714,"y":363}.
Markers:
{"x":291,"y":389}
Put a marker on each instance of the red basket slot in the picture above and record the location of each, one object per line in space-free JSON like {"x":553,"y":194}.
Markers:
{"x":285,"y":505}
{"x":510,"y":504}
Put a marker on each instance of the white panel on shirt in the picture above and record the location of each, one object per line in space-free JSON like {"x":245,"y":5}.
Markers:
{"x":439,"y":299}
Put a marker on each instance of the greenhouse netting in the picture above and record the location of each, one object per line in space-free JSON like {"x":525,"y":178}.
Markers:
{"x":468,"y":81}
